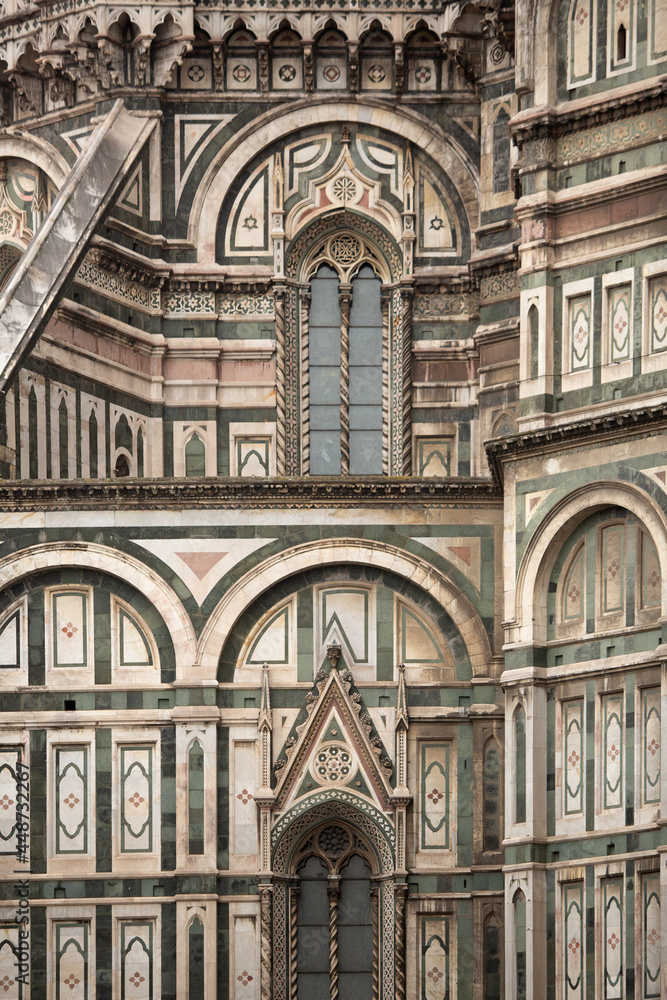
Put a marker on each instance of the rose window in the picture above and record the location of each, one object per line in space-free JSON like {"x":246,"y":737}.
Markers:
{"x":344,"y":188}
{"x":345,"y":249}
{"x":334,"y":764}
{"x":334,"y":841}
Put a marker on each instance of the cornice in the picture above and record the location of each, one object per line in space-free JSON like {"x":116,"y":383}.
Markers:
{"x":596,"y":429}
{"x":576,"y":115}
{"x":304,"y":493}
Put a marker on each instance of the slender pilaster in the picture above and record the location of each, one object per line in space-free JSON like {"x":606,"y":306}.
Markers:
{"x":375,"y":927}
{"x":385,"y":301}
{"x":345,"y":296}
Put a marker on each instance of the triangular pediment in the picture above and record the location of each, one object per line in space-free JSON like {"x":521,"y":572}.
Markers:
{"x":333,"y":746}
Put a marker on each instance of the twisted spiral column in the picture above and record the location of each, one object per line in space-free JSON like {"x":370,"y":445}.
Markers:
{"x":385,"y":300}
{"x":305,"y":381}
{"x":280,"y":293}
{"x":265,"y":895}
{"x":400,"y":892}
{"x":345,"y":296}
{"x":293,"y":929}
{"x":406,"y":296}
{"x":375,"y":928}
{"x":333,"y":892}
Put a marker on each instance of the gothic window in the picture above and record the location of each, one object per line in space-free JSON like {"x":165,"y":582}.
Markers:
{"x":492,"y":830}
{"x":286,"y":61}
{"x":331,"y":61}
{"x":346,"y":372}
{"x":534,"y":333}
{"x":196,"y":799}
{"x":501,"y":151}
{"x":92,"y":445}
{"x":63,"y":450}
{"x":32,"y":433}
{"x":492,"y":958}
{"x":520,"y":944}
{"x":377,"y":61}
{"x":196,"y":990}
{"x":140,"y":452}
{"x":335,"y":931}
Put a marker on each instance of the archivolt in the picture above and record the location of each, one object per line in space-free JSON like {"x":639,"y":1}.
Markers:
{"x":99,"y":557}
{"x":275,"y":125}
{"x":37,"y":151}
{"x":334,"y":552}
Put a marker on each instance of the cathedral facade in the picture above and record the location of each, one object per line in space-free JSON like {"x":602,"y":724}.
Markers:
{"x":333,"y":500}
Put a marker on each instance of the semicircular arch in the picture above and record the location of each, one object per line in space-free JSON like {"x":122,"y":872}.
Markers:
{"x":275,"y":125}
{"x":85,"y":555}
{"x":335,"y":552}
{"x":530,"y":600}
{"x":38,"y":151}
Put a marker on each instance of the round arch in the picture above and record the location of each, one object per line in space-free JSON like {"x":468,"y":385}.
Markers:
{"x":334,"y":552}
{"x":529,"y":615}
{"x":86,"y":555}
{"x":38,"y":151}
{"x":278,"y":123}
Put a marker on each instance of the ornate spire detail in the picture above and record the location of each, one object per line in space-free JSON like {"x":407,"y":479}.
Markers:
{"x":402,"y":717}
{"x":265,"y":721}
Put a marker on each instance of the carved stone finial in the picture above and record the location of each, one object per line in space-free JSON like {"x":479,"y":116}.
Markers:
{"x":345,"y":136}
{"x":333,"y":652}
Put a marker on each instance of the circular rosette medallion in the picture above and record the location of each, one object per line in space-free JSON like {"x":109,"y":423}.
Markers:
{"x":333,"y":764}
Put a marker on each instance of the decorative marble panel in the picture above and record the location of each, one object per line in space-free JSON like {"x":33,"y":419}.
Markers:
{"x":581,"y":39}
{"x":574,"y":591}
{"x":70,"y":628}
{"x":434,"y":456}
{"x":651,"y":934}
{"x":10,"y":641}
{"x":435,"y":796}
{"x":71,"y":959}
{"x":422,"y":74}
{"x":245,"y":957}
{"x":618,"y":319}
{"x":580,"y":332}
{"x":437,"y":230}
{"x":657,"y":23}
{"x":71,"y":795}
{"x":136,"y":959}
{"x":241,"y":305}
{"x":287,"y":73}
{"x":651,"y":739}
{"x":244,"y":812}
{"x":651,"y":579}
{"x":252,"y":456}
{"x":417,"y":642}
{"x":134,"y":647}
{"x":12,"y":988}
{"x":345,"y":616}
{"x":574,"y":940}
{"x":249,"y":229}
{"x":612,"y":751}
{"x":136,"y":799}
{"x":612,"y":940}
{"x":657,"y":313}
{"x":613,"y":569}
{"x":10,"y":759}
{"x":573,"y":758}
{"x":434,"y":967}
{"x":272,"y":643}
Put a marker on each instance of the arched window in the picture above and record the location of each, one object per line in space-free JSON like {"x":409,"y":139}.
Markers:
{"x":492,"y":959}
{"x":123,"y":434}
{"x":331,"y":61}
{"x":346,"y":373}
{"x":63,"y":446}
{"x":33,"y":446}
{"x":140,"y":452}
{"x":501,"y":152}
{"x":520,"y":938}
{"x":92,"y":445}
{"x":195,"y":457}
{"x":534,"y":334}
{"x":492,"y":830}
{"x":520,"y":765}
